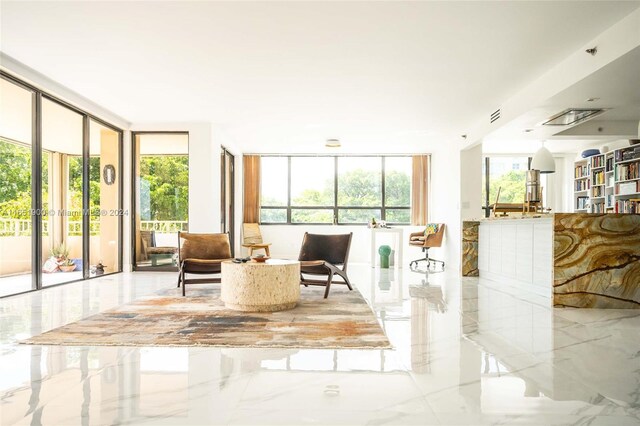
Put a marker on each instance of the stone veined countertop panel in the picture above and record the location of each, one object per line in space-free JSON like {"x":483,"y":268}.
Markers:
{"x":596,"y":260}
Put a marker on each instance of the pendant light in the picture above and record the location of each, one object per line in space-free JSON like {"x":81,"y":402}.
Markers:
{"x":543,"y":161}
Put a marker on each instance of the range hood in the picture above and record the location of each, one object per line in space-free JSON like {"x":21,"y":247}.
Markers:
{"x":573,"y":116}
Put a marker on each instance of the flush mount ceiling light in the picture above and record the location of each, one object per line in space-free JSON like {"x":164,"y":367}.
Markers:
{"x":573,"y":116}
{"x":332,"y":143}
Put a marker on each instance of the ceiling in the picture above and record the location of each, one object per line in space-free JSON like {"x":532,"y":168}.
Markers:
{"x":285,"y":76}
{"x":615,"y":88}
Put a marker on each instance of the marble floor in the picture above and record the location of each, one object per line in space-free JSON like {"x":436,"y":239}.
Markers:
{"x":466,"y":351}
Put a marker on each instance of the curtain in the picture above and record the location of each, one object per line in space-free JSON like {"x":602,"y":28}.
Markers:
{"x":420,"y":190}
{"x":251,"y":209}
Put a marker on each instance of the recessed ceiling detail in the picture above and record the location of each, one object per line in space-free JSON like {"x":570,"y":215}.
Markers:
{"x":573,"y":116}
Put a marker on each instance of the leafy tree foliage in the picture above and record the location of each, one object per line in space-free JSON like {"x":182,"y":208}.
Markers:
{"x":165,"y":187}
{"x":513,"y":187}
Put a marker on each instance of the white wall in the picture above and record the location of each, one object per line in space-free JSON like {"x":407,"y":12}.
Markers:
{"x":445,"y":202}
{"x":471,"y":183}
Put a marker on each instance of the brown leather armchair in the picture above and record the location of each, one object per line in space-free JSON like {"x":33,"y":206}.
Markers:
{"x":324,"y":255}
{"x":202,"y":254}
{"x":419,"y":239}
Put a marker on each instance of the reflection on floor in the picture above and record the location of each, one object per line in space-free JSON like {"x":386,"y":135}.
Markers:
{"x":466,"y":352}
{"x":14,"y":284}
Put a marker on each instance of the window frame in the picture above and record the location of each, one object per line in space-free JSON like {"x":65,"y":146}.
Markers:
{"x":382,"y":207}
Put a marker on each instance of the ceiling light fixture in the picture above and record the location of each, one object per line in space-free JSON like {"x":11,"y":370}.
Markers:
{"x":332,"y":143}
{"x":543,"y":161}
{"x":593,"y":99}
{"x":528,"y":130}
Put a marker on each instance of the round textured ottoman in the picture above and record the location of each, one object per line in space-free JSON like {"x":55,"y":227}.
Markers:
{"x":270,"y":286}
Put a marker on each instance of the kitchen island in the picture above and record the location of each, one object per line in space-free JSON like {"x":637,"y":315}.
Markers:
{"x":575,"y":259}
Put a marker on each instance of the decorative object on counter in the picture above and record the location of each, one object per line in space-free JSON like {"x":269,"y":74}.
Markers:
{"x":543,"y":160}
{"x":590,"y":152}
{"x":373,"y":223}
{"x":384,"y":251}
{"x":604,"y":149}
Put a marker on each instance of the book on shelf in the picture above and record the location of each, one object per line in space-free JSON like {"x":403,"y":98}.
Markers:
{"x":626,"y":188}
{"x":581,"y":171}
{"x":598,"y":177}
{"x":582,"y":185}
{"x":631,"y":205}
{"x":626,"y":154}
{"x":609,"y":165}
{"x":597,"y":161}
{"x":610,"y":200}
{"x":582,"y":203}
{"x":628,"y":171}
{"x":597,"y":208}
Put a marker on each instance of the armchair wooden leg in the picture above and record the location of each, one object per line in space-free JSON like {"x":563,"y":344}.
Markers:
{"x":346,"y":280}
{"x":266,"y":250}
{"x":179,"y":278}
{"x":326,"y":291}
{"x":184,"y":284}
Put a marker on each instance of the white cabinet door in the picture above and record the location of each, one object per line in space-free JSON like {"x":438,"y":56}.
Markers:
{"x":483,"y":246}
{"x":495,"y":251}
{"x":542,"y":255}
{"x":524,"y":252}
{"x":508,"y":255}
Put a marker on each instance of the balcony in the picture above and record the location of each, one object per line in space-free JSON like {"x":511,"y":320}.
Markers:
{"x":15,"y":249}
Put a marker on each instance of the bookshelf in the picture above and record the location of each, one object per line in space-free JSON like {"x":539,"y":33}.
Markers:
{"x":608,"y":183}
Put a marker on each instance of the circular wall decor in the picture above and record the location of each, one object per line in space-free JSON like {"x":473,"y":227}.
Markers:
{"x":109,"y":174}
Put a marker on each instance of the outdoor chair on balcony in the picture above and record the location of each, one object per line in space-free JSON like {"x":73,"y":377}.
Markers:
{"x":150,"y":251}
{"x":324,"y":255}
{"x":202,"y":254}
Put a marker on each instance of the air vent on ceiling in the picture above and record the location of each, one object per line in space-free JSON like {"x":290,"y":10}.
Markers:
{"x":495,"y":115}
{"x":573,"y":116}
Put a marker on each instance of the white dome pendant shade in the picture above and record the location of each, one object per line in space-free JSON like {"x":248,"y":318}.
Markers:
{"x":543,"y":161}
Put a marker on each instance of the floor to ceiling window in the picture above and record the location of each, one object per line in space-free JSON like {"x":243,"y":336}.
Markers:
{"x":62,"y":191}
{"x":104,"y":198}
{"x":161,"y":191}
{"x":16,"y":119}
{"x":58,"y":222}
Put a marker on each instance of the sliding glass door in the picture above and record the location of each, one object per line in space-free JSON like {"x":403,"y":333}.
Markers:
{"x":60,"y":191}
{"x":105,"y":172}
{"x":16,"y":105}
{"x":161,"y":198}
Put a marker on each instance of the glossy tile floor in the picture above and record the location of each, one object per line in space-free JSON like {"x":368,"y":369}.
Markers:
{"x":467,"y":351}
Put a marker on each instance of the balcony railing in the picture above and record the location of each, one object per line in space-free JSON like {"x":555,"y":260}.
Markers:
{"x":22,"y":227}
{"x":19,"y":227}
{"x":164,"y":226}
